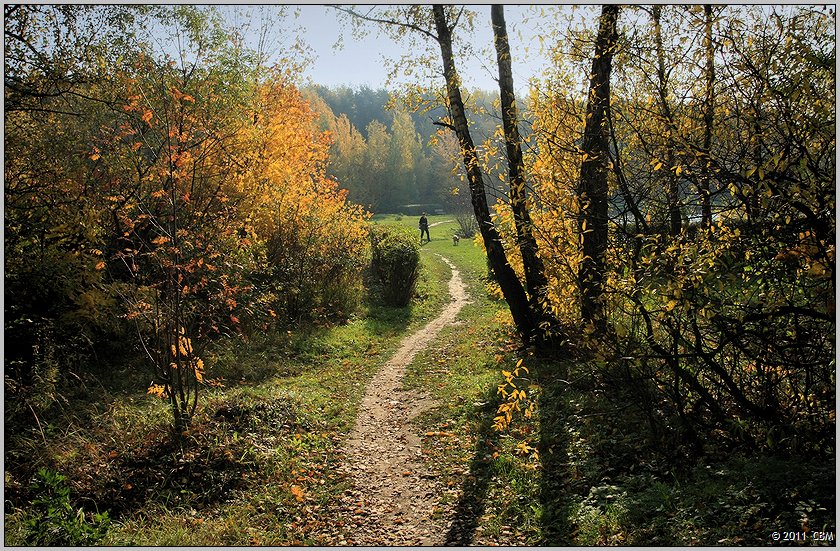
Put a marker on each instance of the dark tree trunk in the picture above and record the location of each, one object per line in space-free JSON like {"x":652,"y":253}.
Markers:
{"x":674,"y":214}
{"x":708,"y":122}
{"x":535,"y":279}
{"x":509,"y":283}
{"x":592,"y":189}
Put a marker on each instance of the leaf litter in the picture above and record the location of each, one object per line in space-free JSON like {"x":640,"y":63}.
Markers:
{"x":392,"y":498}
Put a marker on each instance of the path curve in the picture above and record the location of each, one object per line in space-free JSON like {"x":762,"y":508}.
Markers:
{"x":391,"y":497}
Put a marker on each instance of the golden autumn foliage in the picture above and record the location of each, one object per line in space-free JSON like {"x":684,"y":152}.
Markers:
{"x":315,"y":241}
{"x":191,"y":206}
{"x":719,"y":269}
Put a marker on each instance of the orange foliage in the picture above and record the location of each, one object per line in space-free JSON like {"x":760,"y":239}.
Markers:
{"x":312,"y":234}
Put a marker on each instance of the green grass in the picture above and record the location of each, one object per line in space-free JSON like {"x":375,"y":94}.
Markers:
{"x":470,"y":260}
{"x":289,"y":402}
{"x":291,"y":398}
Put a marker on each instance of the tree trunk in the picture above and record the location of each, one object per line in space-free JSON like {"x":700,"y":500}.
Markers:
{"x":708,"y":122}
{"x":593,"y":188}
{"x":508,"y":281}
{"x":674,"y":214}
{"x":535,"y":279}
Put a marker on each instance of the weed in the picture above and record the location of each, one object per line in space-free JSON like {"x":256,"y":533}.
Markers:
{"x":52,"y":519}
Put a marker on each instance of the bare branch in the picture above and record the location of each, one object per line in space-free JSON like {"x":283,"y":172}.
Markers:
{"x":395,"y":23}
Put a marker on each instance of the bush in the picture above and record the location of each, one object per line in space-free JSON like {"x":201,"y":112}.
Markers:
{"x":54,"y":521}
{"x":467,"y":223}
{"x":395,"y":264}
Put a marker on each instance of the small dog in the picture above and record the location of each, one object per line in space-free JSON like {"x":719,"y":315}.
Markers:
{"x":455,"y":239}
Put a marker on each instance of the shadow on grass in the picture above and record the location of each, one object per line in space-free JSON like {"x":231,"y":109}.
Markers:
{"x":556,"y":529}
{"x":471,"y":505}
{"x":386,"y":320}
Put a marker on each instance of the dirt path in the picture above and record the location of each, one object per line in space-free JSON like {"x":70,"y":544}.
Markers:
{"x":391,"y":497}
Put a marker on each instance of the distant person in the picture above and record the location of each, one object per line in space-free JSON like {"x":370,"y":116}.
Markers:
{"x":424,"y":228}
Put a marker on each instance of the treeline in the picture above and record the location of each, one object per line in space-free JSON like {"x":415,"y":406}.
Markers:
{"x":378,"y":155}
{"x":388,"y":154}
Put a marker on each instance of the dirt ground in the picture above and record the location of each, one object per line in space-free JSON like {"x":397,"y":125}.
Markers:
{"x":392,"y":500}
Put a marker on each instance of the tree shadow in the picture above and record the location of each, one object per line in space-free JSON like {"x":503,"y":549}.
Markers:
{"x":556,"y":529}
{"x":471,"y":505}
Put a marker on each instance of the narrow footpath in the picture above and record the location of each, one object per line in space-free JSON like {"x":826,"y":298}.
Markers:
{"x":391,"y":499}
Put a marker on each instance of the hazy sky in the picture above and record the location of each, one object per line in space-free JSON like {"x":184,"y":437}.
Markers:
{"x":361,"y":61}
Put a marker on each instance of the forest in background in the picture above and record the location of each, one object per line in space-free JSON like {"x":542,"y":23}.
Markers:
{"x":658,"y":216}
{"x":388,"y":156}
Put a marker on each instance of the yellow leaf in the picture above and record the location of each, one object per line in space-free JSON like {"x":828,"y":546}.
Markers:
{"x":156,"y":390}
{"x":657,"y":166}
{"x":297,"y":492}
{"x":100,"y":265}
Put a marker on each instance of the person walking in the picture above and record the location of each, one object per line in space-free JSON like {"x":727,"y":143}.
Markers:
{"x":424,"y":228}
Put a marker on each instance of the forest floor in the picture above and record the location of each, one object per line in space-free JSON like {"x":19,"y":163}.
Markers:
{"x":392,"y":496}
{"x":378,"y":430}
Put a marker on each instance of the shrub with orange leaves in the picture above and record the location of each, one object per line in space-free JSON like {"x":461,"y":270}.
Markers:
{"x":315,"y":242}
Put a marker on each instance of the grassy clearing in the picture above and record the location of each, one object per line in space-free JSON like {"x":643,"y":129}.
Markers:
{"x":257,"y":466}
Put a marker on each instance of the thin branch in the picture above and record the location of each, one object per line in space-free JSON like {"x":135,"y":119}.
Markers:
{"x":410,"y":26}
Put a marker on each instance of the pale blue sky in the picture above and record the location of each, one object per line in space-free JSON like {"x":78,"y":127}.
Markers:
{"x":361,"y":61}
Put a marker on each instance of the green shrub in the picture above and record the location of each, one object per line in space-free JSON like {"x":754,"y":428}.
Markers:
{"x":395,"y":263}
{"x":53,"y":520}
